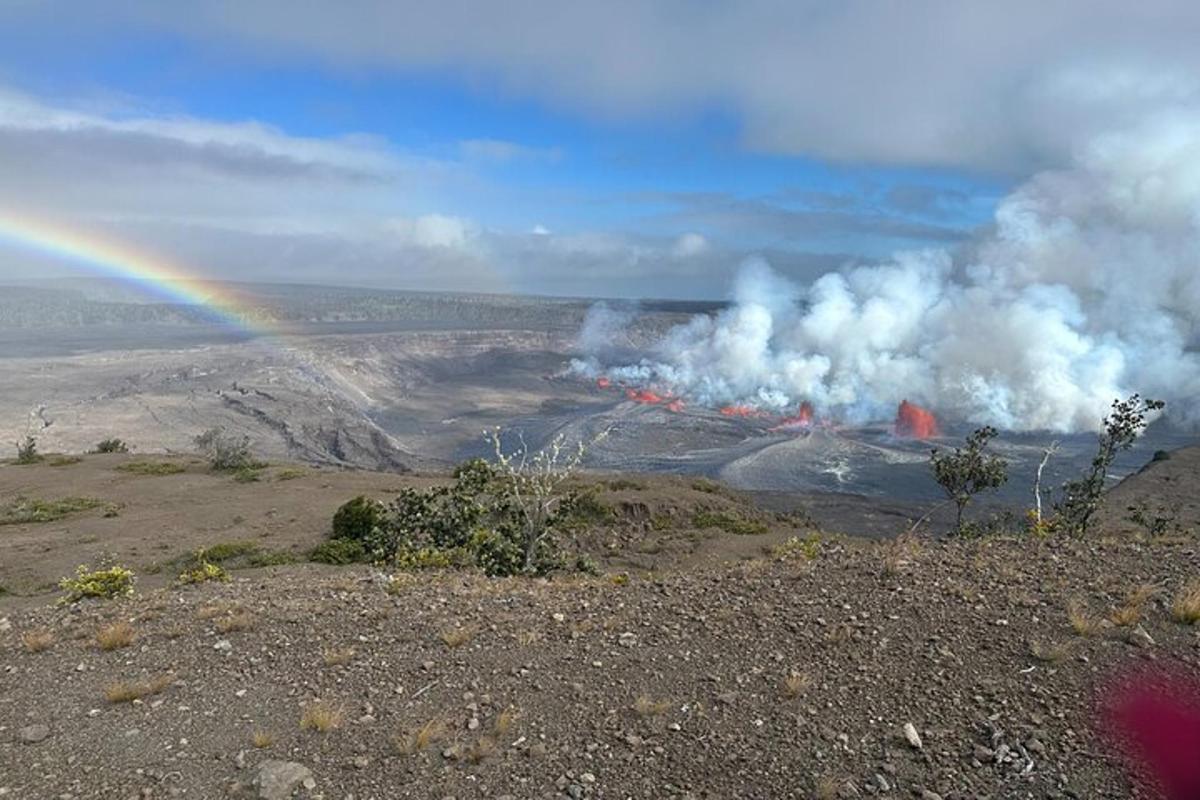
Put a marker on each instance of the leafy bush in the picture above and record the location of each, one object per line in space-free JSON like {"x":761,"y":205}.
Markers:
{"x":226,"y":452}
{"x":111,"y":446}
{"x":357,"y":519}
{"x":482,"y":520}
{"x":114,"y":581}
{"x":27,"y":451}
{"x":968,"y":471}
{"x":1081,"y":498}
{"x":407,"y":560}
{"x":338,"y":551}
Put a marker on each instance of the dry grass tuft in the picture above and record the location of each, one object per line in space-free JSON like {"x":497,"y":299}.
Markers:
{"x":504,"y":721}
{"x":321,"y":716}
{"x":1083,"y":622}
{"x":1050,"y":653}
{"x":482,"y":750}
{"x":416,"y":741}
{"x":1136,"y":599}
{"x":646,"y":706}
{"x":828,"y":788}
{"x":796,"y":683}
{"x":128,"y":692}
{"x":1126,"y":616}
{"x":262,"y":740}
{"x":37,"y":640}
{"x":115,"y":636}
{"x":526,"y":638}
{"x":213,"y":611}
{"x":240,"y":620}
{"x":336,"y":657}
{"x":456,"y":637}
{"x":1185,"y":608}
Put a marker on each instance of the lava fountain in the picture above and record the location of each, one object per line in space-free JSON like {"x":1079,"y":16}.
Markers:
{"x":914,"y":422}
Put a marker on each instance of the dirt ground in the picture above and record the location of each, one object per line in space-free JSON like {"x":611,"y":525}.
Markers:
{"x":736,"y":674}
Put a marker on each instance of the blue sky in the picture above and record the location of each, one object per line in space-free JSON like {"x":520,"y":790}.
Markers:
{"x":423,"y":146}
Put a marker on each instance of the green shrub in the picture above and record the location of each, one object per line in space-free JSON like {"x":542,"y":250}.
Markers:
{"x":968,"y":471}
{"x":290,"y":474}
{"x":63,"y":461}
{"x":584,"y":509}
{"x":338,"y":551}
{"x":430,"y":558}
{"x":111,"y":446}
{"x":478,"y":521}
{"x":228,"y":551}
{"x":358,"y":519}
{"x":115,"y":581}
{"x":248,"y":474}
{"x":27,"y":451}
{"x":494,"y":553}
{"x":226,"y":452}
{"x":203,"y":572}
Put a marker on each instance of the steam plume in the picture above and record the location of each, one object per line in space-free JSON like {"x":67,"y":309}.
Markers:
{"x":1086,"y":288}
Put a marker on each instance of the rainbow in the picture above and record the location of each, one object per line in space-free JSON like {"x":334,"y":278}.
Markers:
{"x":152,"y":273}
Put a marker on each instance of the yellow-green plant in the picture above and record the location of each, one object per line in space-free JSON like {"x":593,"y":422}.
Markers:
{"x":115,"y":581}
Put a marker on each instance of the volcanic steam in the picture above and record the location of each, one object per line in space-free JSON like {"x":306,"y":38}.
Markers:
{"x":1085,"y":289}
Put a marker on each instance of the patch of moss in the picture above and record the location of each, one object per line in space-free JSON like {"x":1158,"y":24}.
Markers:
{"x":338,"y":551}
{"x":151,"y":468}
{"x":227,"y":551}
{"x":738,"y":526}
{"x":63,"y":461}
{"x":290,"y":474}
{"x":624,"y":484}
{"x":25,"y":510}
{"x":249,"y":474}
{"x":271,"y":558}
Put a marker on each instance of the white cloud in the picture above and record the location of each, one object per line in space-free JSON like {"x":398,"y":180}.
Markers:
{"x":437,"y":231}
{"x":689,"y":244}
{"x":1005,"y":86}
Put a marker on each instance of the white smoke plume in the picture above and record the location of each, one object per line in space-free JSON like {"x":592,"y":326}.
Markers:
{"x":1085,"y":289}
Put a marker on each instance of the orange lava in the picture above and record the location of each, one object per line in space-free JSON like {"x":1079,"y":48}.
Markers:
{"x":603,"y":383}
{"x":644,"y":396}
{"x":745,"y":412}
{"x":675,"y":405}
{"x":914,"y":422}
{"x":803,"y":418}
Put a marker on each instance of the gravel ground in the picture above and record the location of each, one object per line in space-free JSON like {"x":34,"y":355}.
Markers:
{"x":923,"y":670}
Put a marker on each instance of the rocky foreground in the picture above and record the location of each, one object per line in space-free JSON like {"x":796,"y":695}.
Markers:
{"x":931,"y":670}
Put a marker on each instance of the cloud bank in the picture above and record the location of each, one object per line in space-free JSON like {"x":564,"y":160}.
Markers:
{"x":1086,"y":289}
{"x":1005,"y":87}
